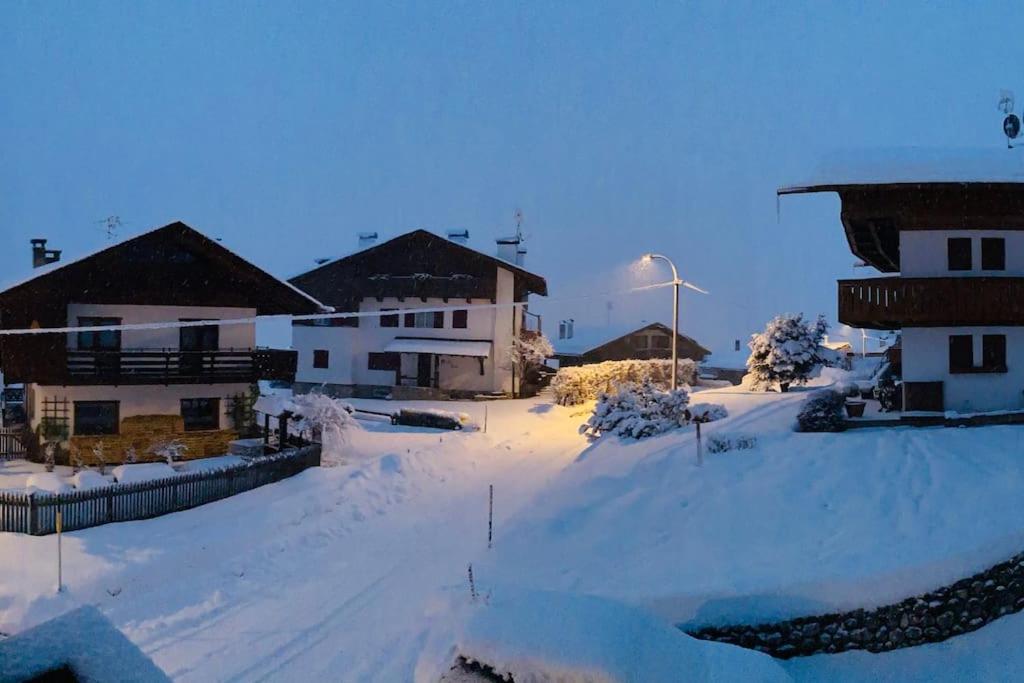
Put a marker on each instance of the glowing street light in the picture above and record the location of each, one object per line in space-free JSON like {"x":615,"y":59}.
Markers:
{"x":676,"y":282}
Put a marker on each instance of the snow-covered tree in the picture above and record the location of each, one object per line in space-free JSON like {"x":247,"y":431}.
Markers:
{"x":786,"y":352}
{"x":99,"y":456}
{"x":325,"y":418}
{"x":529,"y":351}
{"x":130,"y":455}
{"x":169,"y":451}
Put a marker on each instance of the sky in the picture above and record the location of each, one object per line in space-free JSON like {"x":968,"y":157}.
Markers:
{"x":616,"y":128}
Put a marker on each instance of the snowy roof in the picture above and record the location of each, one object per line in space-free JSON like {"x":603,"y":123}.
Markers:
{"x":913,"y":165}
{"x":64,"y":263}
{"x":588,"y":338}
{"x":82,"y":640}
{"x":441,"y":347}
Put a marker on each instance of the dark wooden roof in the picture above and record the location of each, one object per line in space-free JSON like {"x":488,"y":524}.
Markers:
{"x":693,"y":349}
{"x":416,"y":264}
{"x":173,"y":266}
{"x":874,"y":214}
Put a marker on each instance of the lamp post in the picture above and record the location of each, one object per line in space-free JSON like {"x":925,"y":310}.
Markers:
{"x":676,"y":282}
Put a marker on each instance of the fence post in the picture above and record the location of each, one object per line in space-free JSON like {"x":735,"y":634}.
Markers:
{"x":33,"y":517}
{"x":110,"y":505}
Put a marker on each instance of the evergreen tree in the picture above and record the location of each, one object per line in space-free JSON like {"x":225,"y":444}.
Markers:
{"x":786,"y":352}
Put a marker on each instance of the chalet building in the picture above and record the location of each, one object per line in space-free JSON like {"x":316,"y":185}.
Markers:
{"x":948,"y":230}
{"x":579,"y":346}
{"x":135,"y":387}
{"x":435,"y":353}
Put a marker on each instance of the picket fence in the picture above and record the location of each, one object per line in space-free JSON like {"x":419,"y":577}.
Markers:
{"x":36,"y":513}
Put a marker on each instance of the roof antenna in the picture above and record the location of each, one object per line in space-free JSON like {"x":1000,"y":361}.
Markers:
{"x":111,"y":224}
{"x":1011,"y":122}
{"x":518,"y":216}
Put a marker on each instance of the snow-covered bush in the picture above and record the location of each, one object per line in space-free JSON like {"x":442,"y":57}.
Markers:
{"x":638,"y":411}
{"x":131,"y":456}
{"x":786,"y":352}
{"x":707,"y":412}
{"x":579,"y":384}
{"x":722,"y":442}
{"x":527,"y":353}
{"x":888,"y":393}
{"x":99,"y":456}
{"x":822,"y":411}
{"x":169,"y":451}
{"x":318,"y":414}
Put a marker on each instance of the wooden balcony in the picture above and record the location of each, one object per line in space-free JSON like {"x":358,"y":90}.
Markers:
{"x":161,"y":366}
{"x":890,"y":303}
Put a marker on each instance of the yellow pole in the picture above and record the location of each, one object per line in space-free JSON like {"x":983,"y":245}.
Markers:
{"x":60,"y":582}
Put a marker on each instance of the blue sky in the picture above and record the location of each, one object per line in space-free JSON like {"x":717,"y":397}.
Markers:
{"x":617,"y":128}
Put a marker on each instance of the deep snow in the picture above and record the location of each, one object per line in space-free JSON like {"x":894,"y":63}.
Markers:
{"x":349,"y":572}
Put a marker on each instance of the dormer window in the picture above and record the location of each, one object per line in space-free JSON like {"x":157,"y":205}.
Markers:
{"x":958,"y":250}
{"x":993,"y":253}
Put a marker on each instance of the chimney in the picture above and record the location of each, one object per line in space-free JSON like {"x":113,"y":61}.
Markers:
{"x":459,"y":236}
{"x":367,"y":239}
{"x":508,"y":249}
{"x":42,"y":256}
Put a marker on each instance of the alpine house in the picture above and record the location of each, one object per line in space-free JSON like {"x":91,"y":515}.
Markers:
{"x":948,"y":229}
{"x":134,"y":388}
{"x":474,"y":307}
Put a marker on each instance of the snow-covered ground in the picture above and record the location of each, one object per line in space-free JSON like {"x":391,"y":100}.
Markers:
{"x":17,"y":475}
{"x":350,"y":572}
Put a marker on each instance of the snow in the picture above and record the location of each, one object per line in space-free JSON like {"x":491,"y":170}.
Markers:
{"x":147,"y":471}
{"x":82,"y":640}
{"x":350,"y":572}
{"x":544,"y":636}
{"x":913,"y":165}
{"x":445,"y":347}
{"x":47,"y":481}
{"x":89,"y":479}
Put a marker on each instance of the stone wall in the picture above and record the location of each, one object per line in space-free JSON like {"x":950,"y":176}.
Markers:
{"x":143,"y":432}
{"x":965,"y":606}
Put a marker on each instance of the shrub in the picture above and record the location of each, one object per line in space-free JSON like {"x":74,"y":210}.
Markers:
{"x":638,"y":411}
{"x":707,"y":412}
{"x":722,"y":442}
{"x":579,"y":384}
{"x":822,"y":411}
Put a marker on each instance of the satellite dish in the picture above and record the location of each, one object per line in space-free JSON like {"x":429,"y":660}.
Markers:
{"x":1011,"y":126}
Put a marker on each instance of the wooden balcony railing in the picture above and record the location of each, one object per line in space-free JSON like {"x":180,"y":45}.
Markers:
{"x":173,"y":366}
{"x":895,"y":302}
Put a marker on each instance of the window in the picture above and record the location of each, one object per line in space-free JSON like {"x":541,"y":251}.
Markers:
{"x":94,"y":418}
{"x":959,"y":253}
{"x":389,"y":320}
{"x":201,"y":338}
{"x":321,"y":358}
{"x":346,"y":322}
{"x":993,"y":253}
{"x":661,"y":342}
{"x":100,"y":340}
{"x":640,"y":341}
{"x":384,"y":361}
{"x":200,"y":413}
{"x":426,"y":319}
{"x":460,"y":319}
{"x":961,"y":353}
{"x":993,"y":352}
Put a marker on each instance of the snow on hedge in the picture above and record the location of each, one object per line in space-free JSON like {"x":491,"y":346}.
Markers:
{"x":638,"y":411}
{"x":582,"y":383}
{"x":548,"y":636}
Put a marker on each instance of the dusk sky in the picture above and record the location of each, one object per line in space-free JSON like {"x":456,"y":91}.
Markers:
{"x":615,"y":128}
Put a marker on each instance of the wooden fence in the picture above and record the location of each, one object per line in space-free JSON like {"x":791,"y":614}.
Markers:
{"x":36,"y":513}
{"x":11,"y":444}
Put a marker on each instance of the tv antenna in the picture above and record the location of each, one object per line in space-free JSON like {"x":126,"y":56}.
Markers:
{"x":110,"y":225}
{"x":518,"y":217}
{"x":1011,"y":122}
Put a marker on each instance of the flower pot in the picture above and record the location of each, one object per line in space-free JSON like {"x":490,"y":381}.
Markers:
{"x":855,"y":408}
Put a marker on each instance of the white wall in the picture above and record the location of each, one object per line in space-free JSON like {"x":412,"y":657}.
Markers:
{"x":241,"y":336}
{"x":923,"y":253}
{"x":349,"y":347}
{"x":136,"y":400}
{"x":926,"y":359}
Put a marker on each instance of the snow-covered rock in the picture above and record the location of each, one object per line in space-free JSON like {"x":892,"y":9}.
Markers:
{"x":88,"y":479}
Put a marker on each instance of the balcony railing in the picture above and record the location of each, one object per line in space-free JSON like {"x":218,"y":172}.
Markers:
{"x":173,"y":366}
{"x":896,"y":302}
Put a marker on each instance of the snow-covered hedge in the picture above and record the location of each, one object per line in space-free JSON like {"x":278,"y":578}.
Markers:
{"x":727,"y":441}
{"x":579,"y":384}
{"x":638,"y":411}
{"x":822,"y":411}
{"x":708,"y":412}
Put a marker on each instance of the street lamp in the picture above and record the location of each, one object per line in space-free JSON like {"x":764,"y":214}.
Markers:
{"x":676,"y":282}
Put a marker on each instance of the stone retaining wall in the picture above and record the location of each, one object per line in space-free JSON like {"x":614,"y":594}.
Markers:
{"x":965,"y":606}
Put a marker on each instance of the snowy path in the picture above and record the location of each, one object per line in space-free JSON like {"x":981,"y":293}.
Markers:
{"x":324,"y":576}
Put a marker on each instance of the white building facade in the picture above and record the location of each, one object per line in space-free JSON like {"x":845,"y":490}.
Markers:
{"x":458,"y":312}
